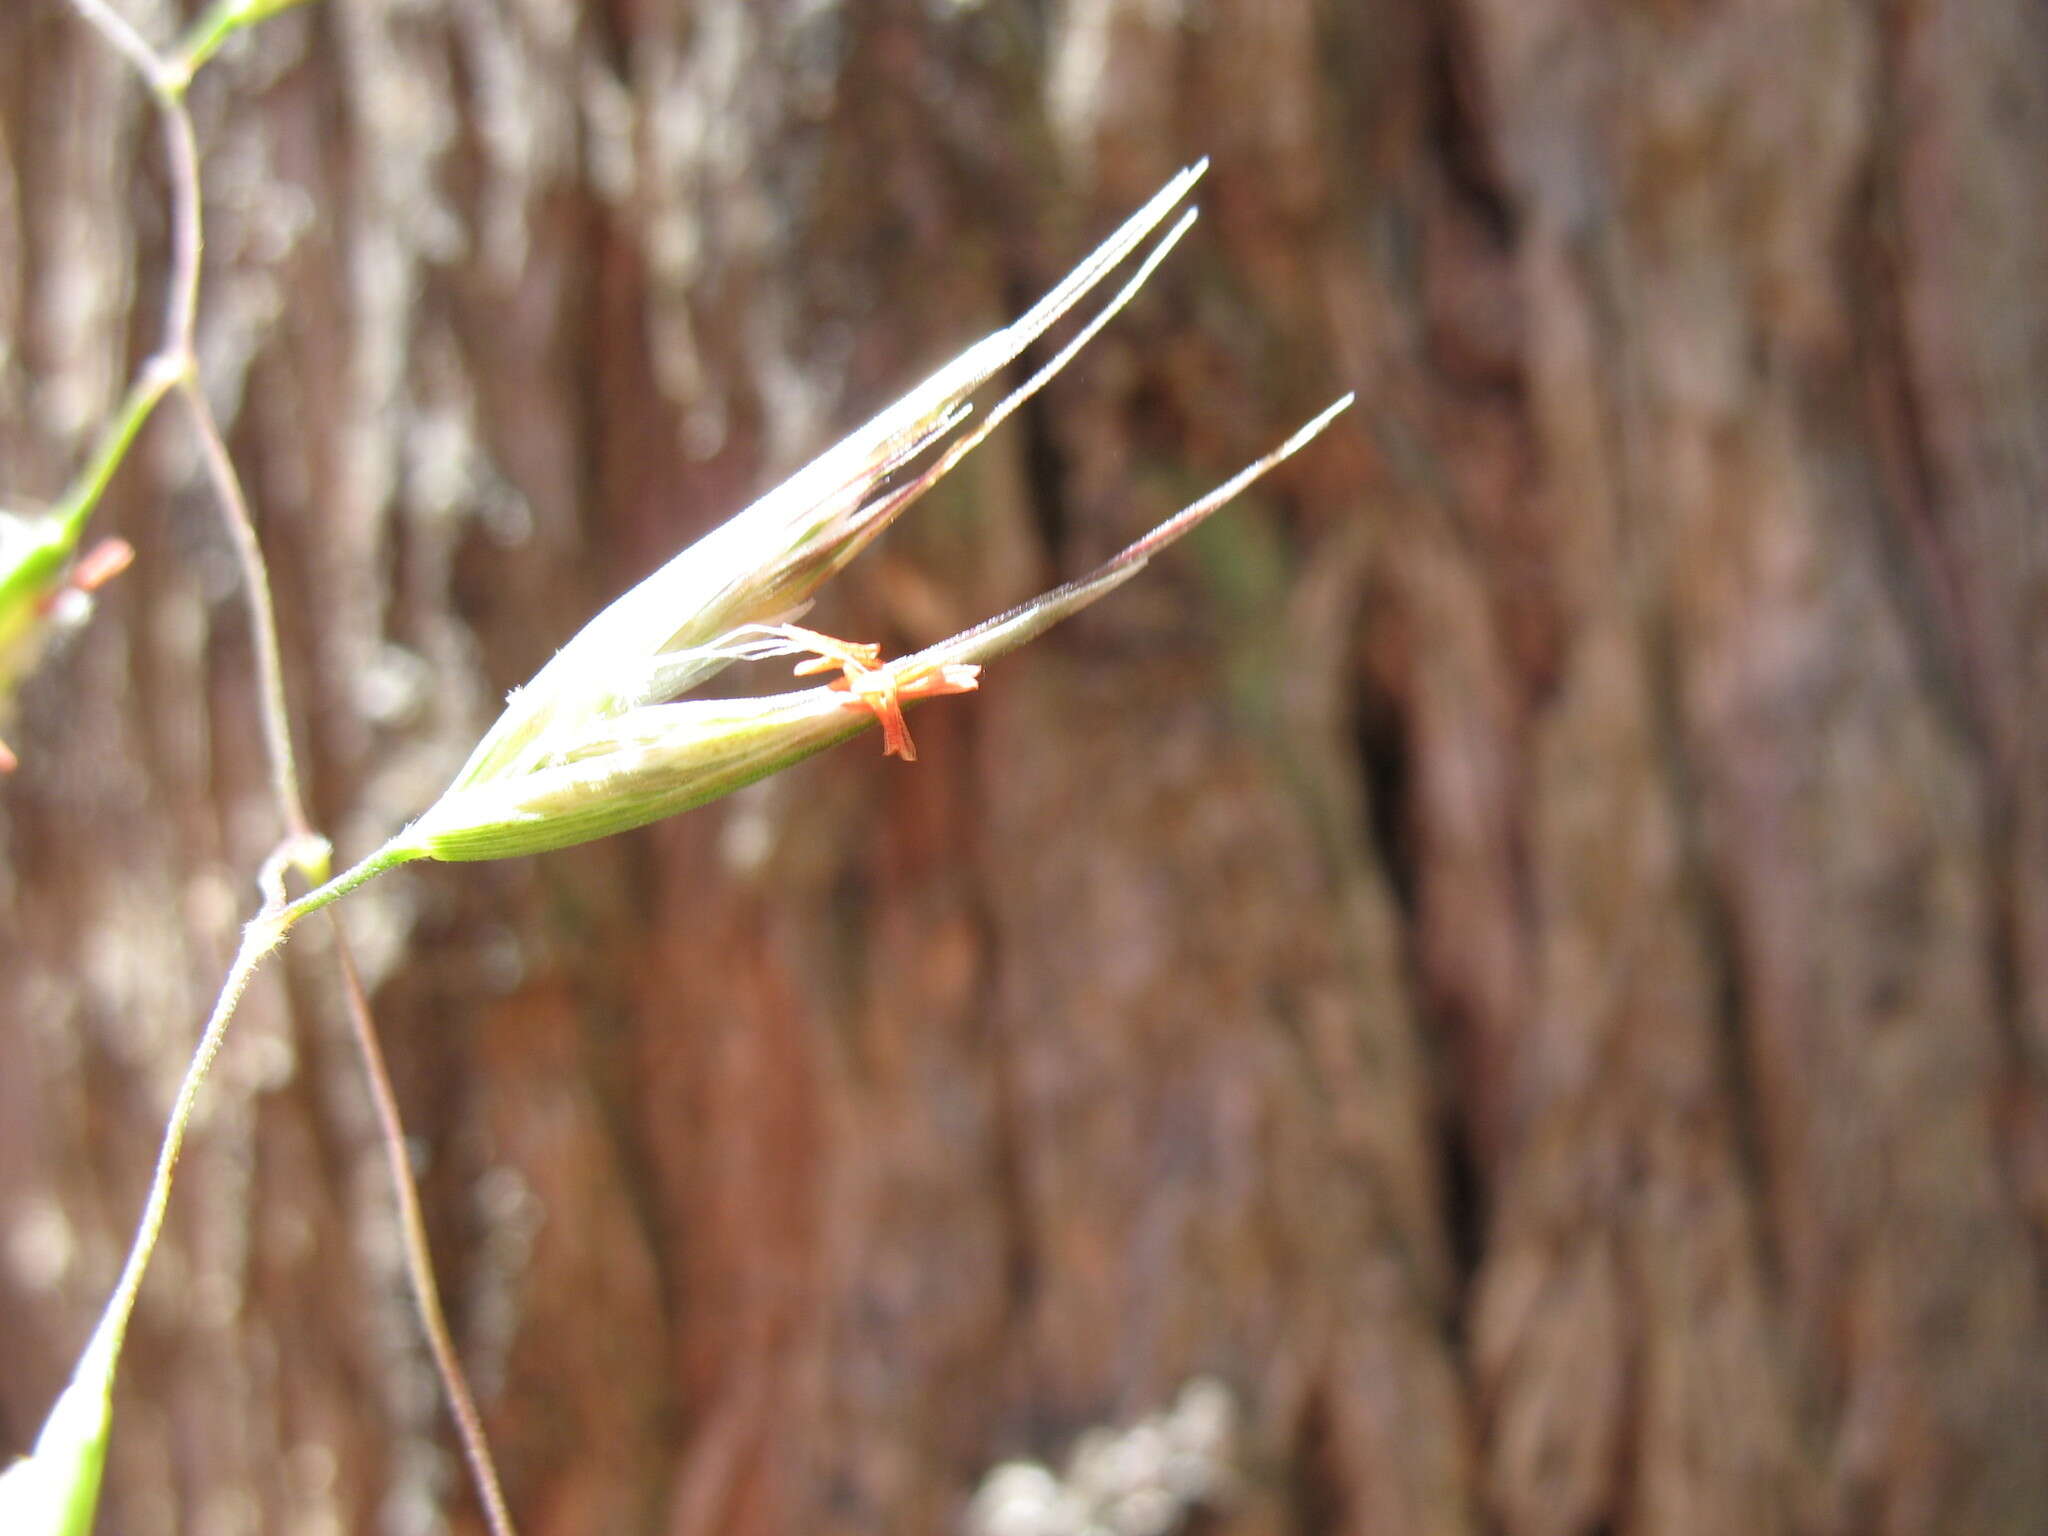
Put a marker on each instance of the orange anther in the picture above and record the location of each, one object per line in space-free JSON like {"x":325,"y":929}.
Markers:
{"x":881,"y":687}
{"x":878,"y":690}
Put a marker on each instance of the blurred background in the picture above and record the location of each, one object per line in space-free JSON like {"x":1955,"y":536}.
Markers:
{"x":1516,"y":962}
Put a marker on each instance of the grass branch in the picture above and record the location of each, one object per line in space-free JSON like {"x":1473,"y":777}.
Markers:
{"x":175,"y":364}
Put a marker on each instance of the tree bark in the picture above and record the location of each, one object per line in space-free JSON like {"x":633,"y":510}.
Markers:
{"x":1523,"y":954}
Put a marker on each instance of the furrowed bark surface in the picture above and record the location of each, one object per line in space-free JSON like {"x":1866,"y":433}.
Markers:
{"x":1523,"y":952}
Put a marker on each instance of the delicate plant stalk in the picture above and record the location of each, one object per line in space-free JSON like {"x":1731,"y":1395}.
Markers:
{"x":258,"y":940}
{"x":223,"y":19}
{"x":264,"y":933}
{"x":176,"y":364}
{"x":270,"y":706}
{"x":156,"y":379}
{"x":419,"y":1263}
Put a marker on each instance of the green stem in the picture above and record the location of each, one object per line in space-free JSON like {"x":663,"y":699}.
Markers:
{"x":150,"y":386}
{"x":265,"y":932}
{"x":222,"y":21}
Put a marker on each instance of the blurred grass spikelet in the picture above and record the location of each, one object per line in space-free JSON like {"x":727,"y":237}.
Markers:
{"x":45,"y":590}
